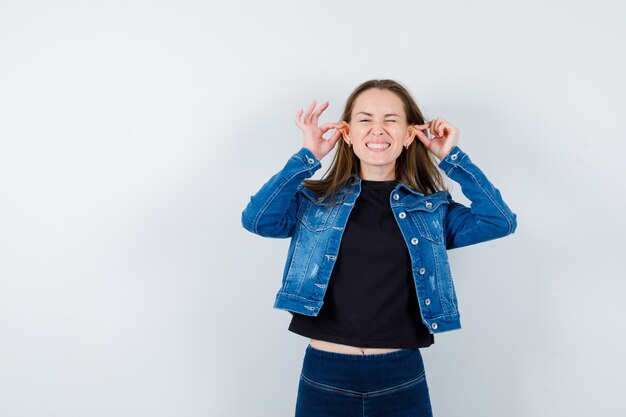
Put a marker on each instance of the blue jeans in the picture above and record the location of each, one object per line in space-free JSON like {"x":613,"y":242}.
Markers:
{"x":389,"y":384}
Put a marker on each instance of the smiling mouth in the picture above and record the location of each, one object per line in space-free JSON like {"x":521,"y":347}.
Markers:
{"x":377,"y":145}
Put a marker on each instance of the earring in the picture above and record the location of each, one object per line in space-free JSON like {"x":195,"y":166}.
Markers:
{"x":406,"y":145}
{"x":349,"y":144}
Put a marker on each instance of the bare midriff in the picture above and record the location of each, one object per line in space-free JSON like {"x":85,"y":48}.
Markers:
{"x":353,"y":350}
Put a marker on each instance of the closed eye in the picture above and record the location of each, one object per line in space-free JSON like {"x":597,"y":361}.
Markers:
{"x":367,"y":120}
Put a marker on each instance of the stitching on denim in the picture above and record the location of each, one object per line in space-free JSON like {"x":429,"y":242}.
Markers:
{"x":352,"y":393}
{"x":482,"y":188}
{"x":330,"y":388}
{"x":293,"y":259}
{"x":493,"y":201}
{"x":447,"y":317}
{"x":308,"y":262}
{"x":399,"y":387}
{"x":319,"y":235}
{"x":467,"y":231}
{"x":327,"y":225}
{"x":286,"y":294}
{"x":432,"y":237}
{"x":438,"y":274}
{"x":270,"y":200}
{"x":328,"y":241}
{"x":451,"y":291}
{"x":412,"y":207}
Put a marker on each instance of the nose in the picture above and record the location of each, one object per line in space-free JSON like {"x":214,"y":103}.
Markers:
{"x":378,"y":129}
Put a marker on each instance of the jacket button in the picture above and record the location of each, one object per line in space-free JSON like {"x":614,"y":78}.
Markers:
{"x":434,"y":326}
{"x":427,"y":302}
{"x":402,"y":215}
{"x":310,"y":160}
{"x":453,"y":157}
{"x":429,"y":204}
{"x":422,"y":270}
{"x":414,"y":241}
{"x":396,"y":197}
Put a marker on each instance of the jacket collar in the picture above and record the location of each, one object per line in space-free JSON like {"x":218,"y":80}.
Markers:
{"x":354,"y":185}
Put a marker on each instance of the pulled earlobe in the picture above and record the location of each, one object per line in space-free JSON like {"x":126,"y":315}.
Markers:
{"x":345,"y":128}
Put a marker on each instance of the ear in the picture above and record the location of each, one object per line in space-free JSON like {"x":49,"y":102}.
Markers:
{"x":345,"y":129}
{"x":411,"y":133}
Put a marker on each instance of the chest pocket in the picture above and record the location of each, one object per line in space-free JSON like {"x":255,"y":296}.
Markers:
{"x":427,"y":215}
{"x":315,"y":216}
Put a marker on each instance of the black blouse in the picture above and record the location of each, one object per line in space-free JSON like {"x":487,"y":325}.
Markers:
{"x":370,"y":300}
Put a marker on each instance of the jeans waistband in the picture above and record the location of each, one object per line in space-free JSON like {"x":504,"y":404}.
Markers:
{"x":361,"y":372}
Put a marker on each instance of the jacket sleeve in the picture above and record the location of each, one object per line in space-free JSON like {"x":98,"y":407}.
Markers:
{"x":488,"y":216}
{"x":271,"y":212}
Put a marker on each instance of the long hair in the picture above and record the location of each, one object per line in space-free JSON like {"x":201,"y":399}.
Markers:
{"x":415,"y":167}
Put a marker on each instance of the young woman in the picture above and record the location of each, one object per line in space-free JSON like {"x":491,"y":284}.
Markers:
{"x":367,"y":277}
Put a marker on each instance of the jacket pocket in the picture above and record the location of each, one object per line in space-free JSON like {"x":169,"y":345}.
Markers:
{"x":427,"y":215}
{"x":313,"y":216}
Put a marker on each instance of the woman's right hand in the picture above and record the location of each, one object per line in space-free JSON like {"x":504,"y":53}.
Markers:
{"x":313,"y":134}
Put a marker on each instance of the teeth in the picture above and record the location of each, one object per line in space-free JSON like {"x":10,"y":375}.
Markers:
{"x":378,"y":145}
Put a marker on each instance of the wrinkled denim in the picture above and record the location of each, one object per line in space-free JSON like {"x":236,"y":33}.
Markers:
{"x":430,"y":224}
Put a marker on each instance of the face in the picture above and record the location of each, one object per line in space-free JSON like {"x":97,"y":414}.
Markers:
{"x":378,"y":131}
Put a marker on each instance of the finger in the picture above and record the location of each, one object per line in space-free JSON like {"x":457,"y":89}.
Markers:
{"x":319,"y":111}
{"x":444,"y":127}
{"x":434,"y":124}
{"x":316,"y":112}
{"x":299,"y":118}
{"x":422,"y":136}
{"x":436,"y":128}
{"x":334,"y":137}
{"x":307,"y":115}
{"x":439,"y":126}
{"x":327,"y":126}
{"x":427,"y":142}
{"x":429,"y":127}
{"x":421,"y":127}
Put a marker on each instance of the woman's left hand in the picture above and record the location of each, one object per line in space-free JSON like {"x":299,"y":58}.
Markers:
{"x":445,"y":136}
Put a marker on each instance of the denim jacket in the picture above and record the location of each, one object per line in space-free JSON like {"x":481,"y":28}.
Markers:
{"x":430,"y":224}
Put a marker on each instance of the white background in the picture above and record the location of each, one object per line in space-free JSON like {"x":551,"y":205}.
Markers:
{"x":132,"y":134}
